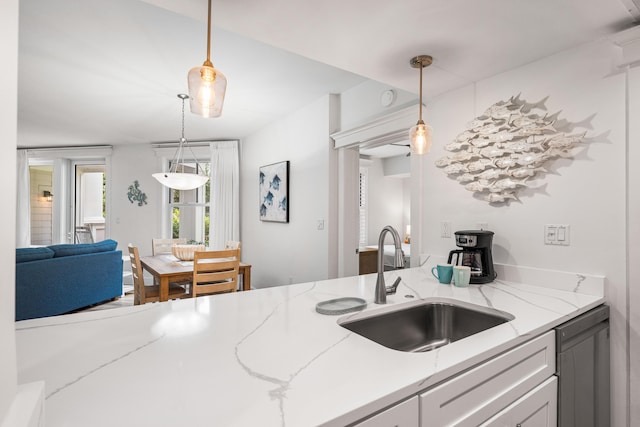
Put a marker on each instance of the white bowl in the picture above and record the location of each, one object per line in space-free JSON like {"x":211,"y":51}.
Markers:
{"x":185,"y":252}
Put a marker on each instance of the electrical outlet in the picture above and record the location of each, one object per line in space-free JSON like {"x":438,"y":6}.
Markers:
{"x":556,"y":234}
{"x":320,"y":224}
{"x":482,"y":225}
{"x":445,"y":229}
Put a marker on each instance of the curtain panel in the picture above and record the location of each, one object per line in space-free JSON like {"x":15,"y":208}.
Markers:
{"x":225,"y":193}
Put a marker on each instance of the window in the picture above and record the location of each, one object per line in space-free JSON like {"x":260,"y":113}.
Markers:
{"x":190,"y":209}
{"x":364,"y":217}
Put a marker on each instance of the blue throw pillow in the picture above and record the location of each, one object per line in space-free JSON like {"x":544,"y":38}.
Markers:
{"x":32,"y":254}
{"x":83,"y":248}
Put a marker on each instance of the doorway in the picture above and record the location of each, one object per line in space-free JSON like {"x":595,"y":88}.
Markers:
{"x":383,"y":132}
{"x":90,"y":207}
{"x":385,"y":187}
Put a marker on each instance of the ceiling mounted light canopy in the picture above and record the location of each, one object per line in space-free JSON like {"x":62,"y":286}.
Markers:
{"x":179,"y":179}
{"x":420,"y":134}
{"x":207,"y":85}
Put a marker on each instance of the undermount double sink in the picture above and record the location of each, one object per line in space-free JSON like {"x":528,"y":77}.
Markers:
{"x":424,"y":325}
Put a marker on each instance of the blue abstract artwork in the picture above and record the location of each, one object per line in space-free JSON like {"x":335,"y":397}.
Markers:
{"x":274,"y":192}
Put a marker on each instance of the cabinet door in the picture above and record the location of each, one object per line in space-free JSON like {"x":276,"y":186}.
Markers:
{"x":404,"y":414}
{"x":538,"y":408}
{"x":478,"y":394}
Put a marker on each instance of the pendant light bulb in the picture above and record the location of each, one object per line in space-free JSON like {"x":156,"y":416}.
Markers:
{"x":420,"y":134}
{"x":420,"y":137}
{"x":207,"y":86}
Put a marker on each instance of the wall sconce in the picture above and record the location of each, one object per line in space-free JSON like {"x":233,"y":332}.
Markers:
{"x":47,"y":195}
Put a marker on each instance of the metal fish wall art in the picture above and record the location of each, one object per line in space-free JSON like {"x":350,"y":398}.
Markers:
{"x":505,"y":148}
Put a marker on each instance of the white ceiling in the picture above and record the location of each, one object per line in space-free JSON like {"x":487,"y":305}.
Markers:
{"x":96,"y":72}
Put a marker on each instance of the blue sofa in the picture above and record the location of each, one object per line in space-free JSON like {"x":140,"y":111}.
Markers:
{"x":61,"y":278}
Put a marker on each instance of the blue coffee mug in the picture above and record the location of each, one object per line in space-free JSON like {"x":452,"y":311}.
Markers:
{"x":444,"y":273}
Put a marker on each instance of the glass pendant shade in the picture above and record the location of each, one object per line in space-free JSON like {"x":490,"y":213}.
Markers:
{"x":420,"y":138}
{"x":207,"y":87}
{"x":181,"y":180}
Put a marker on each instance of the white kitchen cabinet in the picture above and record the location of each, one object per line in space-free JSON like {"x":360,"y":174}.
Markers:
{"x":538,"y":408}
{"x":478,"y":394}
{"x":404,"y":414}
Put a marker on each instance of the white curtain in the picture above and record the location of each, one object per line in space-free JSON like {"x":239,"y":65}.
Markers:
{"x":23,"y":206}
{"x":225,"y":194}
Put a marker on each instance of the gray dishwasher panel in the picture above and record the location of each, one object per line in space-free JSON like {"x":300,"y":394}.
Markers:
{"x":582,"y":365}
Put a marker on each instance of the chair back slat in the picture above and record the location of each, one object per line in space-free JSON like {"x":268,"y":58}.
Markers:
{"x":163,"y":246}
{"x":215,"y":271}
{"x":234,"y":244}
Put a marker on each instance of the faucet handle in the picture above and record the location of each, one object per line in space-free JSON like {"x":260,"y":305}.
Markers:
{"x":391,"y":290}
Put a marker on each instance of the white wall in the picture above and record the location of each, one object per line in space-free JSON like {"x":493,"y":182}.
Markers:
{"x":362,"y":102}
{"x":386,"y":202}
{"x":128,"y":222}
{"x":633,"y":242}
{"x":295,"y":252}
{"x":406,"y":203}
{"x":588,"y":192}
{"x":8,"y":134}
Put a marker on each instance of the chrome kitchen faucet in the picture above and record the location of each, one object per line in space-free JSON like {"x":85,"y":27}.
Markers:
{"x":398,"y":262}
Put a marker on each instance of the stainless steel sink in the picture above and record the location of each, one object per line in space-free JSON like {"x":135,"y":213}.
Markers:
{"x":425,"y":325}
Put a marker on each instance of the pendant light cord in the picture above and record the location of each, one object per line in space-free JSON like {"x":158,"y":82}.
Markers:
{"x":178,"y":158}
{"x":421,"y":67}
{"x":183,"y":139}
{"x":209,"y":33}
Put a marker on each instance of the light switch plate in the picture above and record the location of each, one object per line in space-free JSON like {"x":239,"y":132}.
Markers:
{"x":557,"y":234}
{"x":445,"y":229}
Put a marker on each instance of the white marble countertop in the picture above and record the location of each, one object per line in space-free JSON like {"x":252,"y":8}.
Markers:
{"x":265,"y":357}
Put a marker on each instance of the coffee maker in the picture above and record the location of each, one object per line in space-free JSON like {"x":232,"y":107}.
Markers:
{"x":475,"y":253}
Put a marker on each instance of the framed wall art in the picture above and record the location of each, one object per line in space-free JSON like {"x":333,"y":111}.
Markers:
{"x":274,"y":192}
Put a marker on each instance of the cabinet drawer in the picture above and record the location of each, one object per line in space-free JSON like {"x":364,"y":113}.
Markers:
{"x":476,"y":395}
{"x":538,"y":408}
{"x":404,"y":414}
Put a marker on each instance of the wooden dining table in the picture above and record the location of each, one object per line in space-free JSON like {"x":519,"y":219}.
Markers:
{"x":166,"y":268}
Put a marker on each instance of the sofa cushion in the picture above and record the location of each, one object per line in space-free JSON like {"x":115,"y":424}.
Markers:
{"x":32,"y":254}
{"x":83,"y":248}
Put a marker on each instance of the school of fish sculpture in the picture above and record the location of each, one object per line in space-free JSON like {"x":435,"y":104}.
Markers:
{"x":503,"y":149}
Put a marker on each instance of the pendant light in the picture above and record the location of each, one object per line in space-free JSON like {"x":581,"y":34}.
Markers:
{"x":179,"y":179}
{"x":207,"y":85}
{"x":420,"y":134}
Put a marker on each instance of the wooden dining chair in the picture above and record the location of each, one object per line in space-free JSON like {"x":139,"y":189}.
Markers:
{"x":215,"y":272}
{"x":232,"y":244}
{"x":144,"y":293}
{"x":163,"y":246}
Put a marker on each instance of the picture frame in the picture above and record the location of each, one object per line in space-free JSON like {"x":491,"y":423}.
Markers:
{"x":273,"y":192}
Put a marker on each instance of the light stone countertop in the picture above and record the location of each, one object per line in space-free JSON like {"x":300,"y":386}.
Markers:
{"x":266,"y":357}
